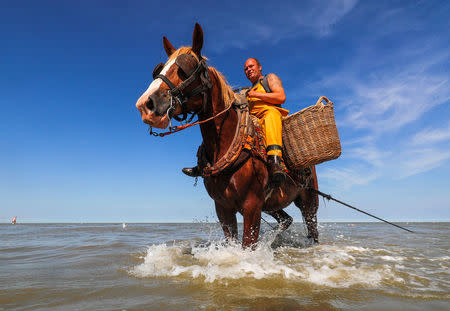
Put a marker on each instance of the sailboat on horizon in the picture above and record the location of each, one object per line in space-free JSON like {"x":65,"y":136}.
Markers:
{"x":13,"y":221}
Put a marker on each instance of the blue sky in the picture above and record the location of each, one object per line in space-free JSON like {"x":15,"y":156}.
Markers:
{"x":73,"y":147}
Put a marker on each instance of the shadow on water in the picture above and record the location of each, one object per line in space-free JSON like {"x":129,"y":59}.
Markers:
{"x":290,"y":238}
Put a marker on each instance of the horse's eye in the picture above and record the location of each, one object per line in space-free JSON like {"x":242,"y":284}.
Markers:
{"x":157,"y":70}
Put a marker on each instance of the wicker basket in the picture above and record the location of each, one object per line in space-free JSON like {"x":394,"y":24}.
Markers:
{"x":310,"y":136}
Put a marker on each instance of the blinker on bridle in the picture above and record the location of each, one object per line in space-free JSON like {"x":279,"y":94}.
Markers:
{"x":190,"y":70}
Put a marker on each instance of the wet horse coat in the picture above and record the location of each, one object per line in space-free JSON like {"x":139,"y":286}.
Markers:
{"x":243,"y":188}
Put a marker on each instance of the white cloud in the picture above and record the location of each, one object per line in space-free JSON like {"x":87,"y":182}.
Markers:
{"x":394,"y":76}
{"x":431,"y":136}
{"x":422,"y":161}
{"x":422,"y":153}
{"x":370,"y":154}
{"x":272,"y":22}
{"x":379,"y":93}
{"x":385,"y":106}
{"x":320,"y":18}
{"x":348,"y":177}
{"x":359,"y":140}
{"x":392,"y":102}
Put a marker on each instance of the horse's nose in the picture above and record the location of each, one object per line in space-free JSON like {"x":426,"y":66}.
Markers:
{"x":149,"y":104}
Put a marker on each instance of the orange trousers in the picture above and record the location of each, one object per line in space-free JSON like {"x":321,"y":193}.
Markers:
{"x":270,"y":119}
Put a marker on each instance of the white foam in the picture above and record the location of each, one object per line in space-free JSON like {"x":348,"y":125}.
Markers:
{"x":357,"y":249}
{"x":392,"y":258}
{"x":444,"y":259}
{"x":326,"y":265}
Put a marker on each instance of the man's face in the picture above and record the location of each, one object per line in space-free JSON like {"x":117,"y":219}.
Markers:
{"x":252,"y":70}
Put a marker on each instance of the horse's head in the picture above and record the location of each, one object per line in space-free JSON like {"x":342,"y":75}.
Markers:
{"x":178,"y":85}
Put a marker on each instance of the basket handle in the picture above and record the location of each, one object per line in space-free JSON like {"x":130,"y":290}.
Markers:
{"x":319,"y":102}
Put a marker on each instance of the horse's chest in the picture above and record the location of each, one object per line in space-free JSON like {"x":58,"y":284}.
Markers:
{"x":218,"y":189}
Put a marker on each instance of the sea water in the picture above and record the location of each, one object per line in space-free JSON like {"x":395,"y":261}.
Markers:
{"x":361,"y":266}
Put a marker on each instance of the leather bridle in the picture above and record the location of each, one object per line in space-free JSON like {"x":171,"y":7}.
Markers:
{"x":178,"y":96}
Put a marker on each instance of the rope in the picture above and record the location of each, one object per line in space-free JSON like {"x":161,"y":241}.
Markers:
{"x":329,"y":197}
{"x":185,"y":126}
{"x":267,"y":223}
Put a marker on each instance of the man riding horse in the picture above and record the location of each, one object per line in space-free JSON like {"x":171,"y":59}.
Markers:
{"x":265,"y":98}
{"x":235,"y":174}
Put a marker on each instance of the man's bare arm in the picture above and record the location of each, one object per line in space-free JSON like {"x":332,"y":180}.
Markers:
{"x":276,"y":87}
{"x":277,"y":95}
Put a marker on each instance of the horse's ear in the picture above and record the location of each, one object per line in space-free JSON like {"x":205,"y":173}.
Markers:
{"x":197,"y":40}
{"x":168,"y":46}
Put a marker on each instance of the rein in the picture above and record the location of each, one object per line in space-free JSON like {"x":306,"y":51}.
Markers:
{"x":185,"y":126}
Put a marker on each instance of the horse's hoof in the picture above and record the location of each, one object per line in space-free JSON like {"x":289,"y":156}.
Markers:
{"x":286,"y":223}
{"x":313,"y":241}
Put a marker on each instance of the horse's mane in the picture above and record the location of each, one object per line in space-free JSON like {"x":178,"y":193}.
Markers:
{"x":228,"y":96}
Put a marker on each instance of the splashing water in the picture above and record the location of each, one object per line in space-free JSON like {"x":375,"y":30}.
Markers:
{"x":327,"y":265}
{"x":367,"y":266}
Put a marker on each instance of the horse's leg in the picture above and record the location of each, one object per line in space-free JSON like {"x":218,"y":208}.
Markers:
{"x":309,"y":212}
{"x":252,"y":221}
{"x":308,"y":203}
{"x":228,"y":221}
{"x":283,"y":218}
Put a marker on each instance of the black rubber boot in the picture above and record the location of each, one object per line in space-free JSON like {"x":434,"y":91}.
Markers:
{"x":192,"y":171}
{"x":277,"y":174}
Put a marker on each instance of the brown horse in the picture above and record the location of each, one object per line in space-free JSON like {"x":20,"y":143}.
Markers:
{"x":186,"y":85}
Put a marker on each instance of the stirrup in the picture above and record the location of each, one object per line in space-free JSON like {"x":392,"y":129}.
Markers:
{"x":192,"y":171}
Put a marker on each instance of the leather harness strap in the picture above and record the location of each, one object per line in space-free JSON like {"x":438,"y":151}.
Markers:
{"x":240,"y":138}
